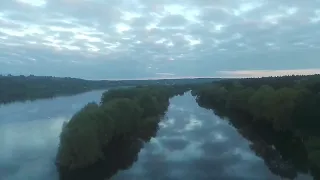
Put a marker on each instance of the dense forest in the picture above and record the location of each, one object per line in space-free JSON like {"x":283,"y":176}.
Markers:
{"x":22,"y":88}
{"x":99,"y":135}
{"x":288,"y":105}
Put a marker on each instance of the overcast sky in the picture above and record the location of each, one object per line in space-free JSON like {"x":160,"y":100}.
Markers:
{"x":107,"y":39}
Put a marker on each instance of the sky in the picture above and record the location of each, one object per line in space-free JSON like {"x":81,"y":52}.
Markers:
{"x":134,"y":39}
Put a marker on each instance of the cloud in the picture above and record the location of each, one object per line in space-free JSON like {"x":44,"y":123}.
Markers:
{"x":265,"y":73}
{"x":202,"y":37}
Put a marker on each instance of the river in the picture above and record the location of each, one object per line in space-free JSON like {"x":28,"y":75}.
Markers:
{"x":192,"y":143}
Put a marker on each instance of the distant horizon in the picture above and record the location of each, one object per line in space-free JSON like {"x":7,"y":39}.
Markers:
{"x":227,"y":75}
{"x":119,"y":79}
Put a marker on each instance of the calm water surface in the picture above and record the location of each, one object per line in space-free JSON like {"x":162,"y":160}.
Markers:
{"x":192,"y":143}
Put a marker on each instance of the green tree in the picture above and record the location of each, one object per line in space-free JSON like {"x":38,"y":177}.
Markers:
{"x":79,"y":140}
{"x":261,"y":101}
{"x":282,"y":107}
{"x":126,"y":113}
{"x":239,"y":100}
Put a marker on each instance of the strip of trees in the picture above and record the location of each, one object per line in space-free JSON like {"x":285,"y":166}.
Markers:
{"x":97,"y":132}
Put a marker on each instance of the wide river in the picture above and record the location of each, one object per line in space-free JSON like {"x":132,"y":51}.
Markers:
{"x":192,"y":143}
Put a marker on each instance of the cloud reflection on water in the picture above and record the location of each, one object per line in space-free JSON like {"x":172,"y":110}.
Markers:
{"x":29,"y":148}
{"x":29,"y":135}
{"x":193,"y":143}
{"x":209,"y":148}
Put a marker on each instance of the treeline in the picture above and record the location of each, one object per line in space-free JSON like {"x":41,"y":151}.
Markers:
{"x":22,"y":88}
{"x":184,"y":81}
{"x":288,"y":104}
{"x":99,"y":132}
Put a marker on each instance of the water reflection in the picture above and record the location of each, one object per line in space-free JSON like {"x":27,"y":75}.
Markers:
{"x":29,"y":135}
{"x":191,"y":143}
{"x":284,"y":155}
{"x":119,"y":156}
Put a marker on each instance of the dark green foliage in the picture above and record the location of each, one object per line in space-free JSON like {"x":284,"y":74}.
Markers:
{"x":118,"y":93}
{"x":306,"y":115}
{"x":80,"y":146}
{"x":239,"y":99}
{"x":126,"y":113}
{"x":289,"y":104}
{"x":22,"y":88}
{"x":212,"y":95}
{"x":119,"y":155}
{"x":123,"y":116}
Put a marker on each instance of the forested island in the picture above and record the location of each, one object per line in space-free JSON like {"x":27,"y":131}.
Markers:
{"x":103,"y":138}
{"x":22,"y":88}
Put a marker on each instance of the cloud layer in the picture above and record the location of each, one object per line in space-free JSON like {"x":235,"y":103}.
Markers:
{"x":140,"y":38}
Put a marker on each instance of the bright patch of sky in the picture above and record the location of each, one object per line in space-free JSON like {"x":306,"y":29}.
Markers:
{"x":129,"y":39}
